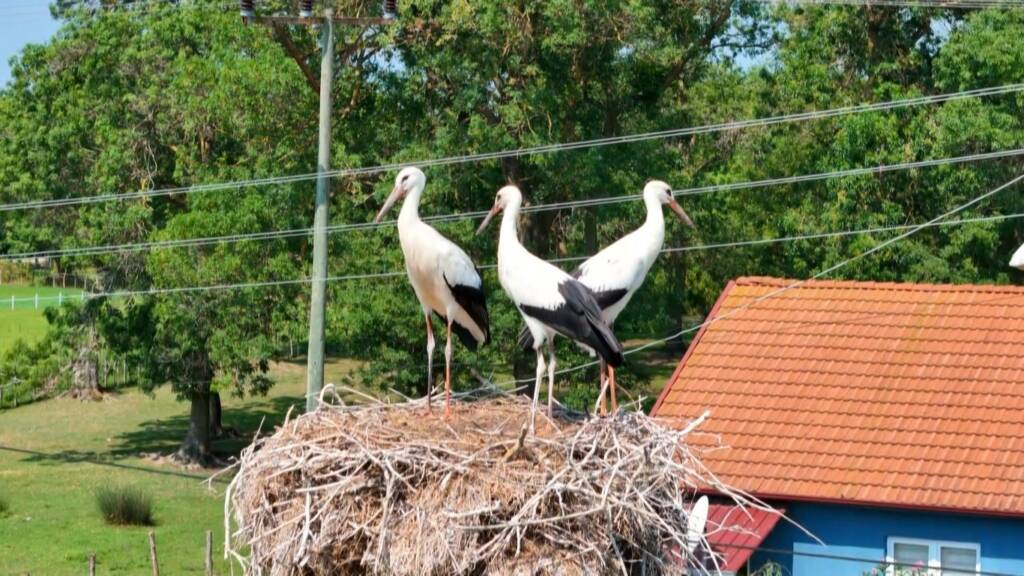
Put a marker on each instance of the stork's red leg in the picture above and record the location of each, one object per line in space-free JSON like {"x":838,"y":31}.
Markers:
{"x":602,"y":377}
{"x":551,"y":374}
{"x":430,"y":359}
{"x":448,"y":373}
{"x":611,"y":380}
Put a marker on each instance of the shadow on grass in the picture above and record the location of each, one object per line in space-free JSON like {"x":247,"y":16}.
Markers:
{"x":164,"y":436}
{"x":79,"y":457}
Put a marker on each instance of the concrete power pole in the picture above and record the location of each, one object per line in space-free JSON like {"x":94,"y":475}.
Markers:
{"x":318,"y":298}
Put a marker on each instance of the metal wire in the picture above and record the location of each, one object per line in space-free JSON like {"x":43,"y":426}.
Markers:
{"x":934,"y":4}
{"x":913,"y":230}
{"x":338,"y":228}
{"x":568,"y":259}
{"x":534,"y":150}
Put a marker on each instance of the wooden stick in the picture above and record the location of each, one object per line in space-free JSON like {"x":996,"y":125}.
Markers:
{"x":92,"y":564}
{"x":209,"y":553}
{"x":152,"y":554}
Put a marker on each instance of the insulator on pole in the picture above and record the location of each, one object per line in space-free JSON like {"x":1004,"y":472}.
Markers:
{"x":245,"y":8}
{"x":390,"y":8}
{"x":306,"y":8}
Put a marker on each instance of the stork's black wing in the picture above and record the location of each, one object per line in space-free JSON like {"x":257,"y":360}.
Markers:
{"x":579,"y":318}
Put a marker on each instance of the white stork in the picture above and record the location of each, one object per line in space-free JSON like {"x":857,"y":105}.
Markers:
{"x":550,"y":301}
{"x":617,"y":272}
{"x":1017,"y":261}
{"x":444,"y":278}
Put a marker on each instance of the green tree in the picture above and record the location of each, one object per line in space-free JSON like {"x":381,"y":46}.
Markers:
{"x":123,"y":100}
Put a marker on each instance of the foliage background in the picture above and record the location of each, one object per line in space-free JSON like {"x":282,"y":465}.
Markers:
{"x":130,"y":99}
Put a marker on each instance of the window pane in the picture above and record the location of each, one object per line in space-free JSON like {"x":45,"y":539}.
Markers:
{"x":910,"y":557}
{"x":958,"y":560}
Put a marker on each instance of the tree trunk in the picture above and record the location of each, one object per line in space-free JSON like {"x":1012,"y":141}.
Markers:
{"x":197,"y":447}
{"x":84,"y":371}
{"x":216,"y":423}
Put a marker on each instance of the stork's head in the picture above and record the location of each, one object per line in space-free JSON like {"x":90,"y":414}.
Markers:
{"x":507,"y":196}
{"x":408,"y":179}
{"x":658,"y":191}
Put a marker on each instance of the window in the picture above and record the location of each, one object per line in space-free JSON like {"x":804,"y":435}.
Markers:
{"x":933,"y":557}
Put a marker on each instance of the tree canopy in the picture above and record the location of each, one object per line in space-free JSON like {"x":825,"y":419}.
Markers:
{"x":124,"y":99}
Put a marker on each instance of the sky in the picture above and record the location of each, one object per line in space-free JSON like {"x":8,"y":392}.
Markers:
{"x":22,"y":22}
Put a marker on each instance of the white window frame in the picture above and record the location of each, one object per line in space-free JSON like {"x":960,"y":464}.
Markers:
{"x":934,"y":552}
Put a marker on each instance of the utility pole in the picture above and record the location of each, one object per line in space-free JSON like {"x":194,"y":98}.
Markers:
{"x":318,"y":298}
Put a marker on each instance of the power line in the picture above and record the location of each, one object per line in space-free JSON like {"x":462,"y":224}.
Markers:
{"x":584,"y":203}
{"x":568,"y":259}
{"x":534,"y":150}
{"x":913,"y":230}
{"x":936,"y":4}
{"x":137,"y":7}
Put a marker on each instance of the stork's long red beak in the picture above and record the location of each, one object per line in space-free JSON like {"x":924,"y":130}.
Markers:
{"x":487,"y":220}
{"x":680,"y":213}
{"x":396,"y":194}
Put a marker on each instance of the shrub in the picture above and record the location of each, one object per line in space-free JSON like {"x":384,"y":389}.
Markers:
{"x":125,"y":505}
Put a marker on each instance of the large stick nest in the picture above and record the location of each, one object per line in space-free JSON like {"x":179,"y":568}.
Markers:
{"x":393,"y":490}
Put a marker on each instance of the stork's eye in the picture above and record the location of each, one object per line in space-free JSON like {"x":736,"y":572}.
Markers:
{"x":404,"y":178}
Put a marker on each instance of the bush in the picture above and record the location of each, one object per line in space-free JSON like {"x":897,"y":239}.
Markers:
{"x":125,"y":505}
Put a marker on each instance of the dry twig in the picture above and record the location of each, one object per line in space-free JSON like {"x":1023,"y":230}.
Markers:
{"x":390,"y":490}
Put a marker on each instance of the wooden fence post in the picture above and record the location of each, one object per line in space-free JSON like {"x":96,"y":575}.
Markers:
{"x":209,"y":553}
{"x":152,"y":554}
{"x":92,"y":564}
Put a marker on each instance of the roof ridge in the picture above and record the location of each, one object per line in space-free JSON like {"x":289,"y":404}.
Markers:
{"x":775,"y":281}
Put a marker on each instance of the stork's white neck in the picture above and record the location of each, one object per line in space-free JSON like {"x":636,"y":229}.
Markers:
{"x":411,"y":206}
{"x":655,"y":214}
{"x":509,"y":225}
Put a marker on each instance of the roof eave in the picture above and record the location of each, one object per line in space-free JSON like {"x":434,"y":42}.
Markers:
{"x":877,"y":504}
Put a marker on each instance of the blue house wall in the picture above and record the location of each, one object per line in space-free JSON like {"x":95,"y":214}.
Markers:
{"x":861,"y":532}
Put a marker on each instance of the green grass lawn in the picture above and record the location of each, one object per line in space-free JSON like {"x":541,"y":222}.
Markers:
{"x":23,"y":320}
{"x":55,"y":454}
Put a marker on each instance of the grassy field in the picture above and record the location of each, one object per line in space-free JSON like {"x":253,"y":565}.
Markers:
{"x":24,"y":321}
{"x":55,"y":454}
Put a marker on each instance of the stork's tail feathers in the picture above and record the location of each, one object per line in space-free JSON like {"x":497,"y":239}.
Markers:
{"x":466,"y":336}
{"x":525,"y":340}
{"x":463,"y":333}
{"x":605,"y":343}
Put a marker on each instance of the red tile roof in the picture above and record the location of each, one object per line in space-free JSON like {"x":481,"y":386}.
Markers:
{"x":905,"y":395}
{"x":734,"y":533}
